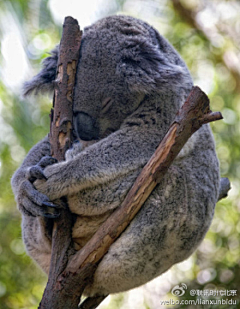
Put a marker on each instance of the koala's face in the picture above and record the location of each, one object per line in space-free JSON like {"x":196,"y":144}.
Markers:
{"x":102,"y":99}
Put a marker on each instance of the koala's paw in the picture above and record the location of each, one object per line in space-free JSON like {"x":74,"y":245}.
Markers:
{"x":32,"y":202}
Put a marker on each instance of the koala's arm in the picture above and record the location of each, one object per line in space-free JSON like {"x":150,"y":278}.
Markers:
{"x":36,"y":234}
{"x":102,"y":162}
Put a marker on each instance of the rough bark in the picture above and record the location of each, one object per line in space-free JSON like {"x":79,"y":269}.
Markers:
{"x":60,"y":137}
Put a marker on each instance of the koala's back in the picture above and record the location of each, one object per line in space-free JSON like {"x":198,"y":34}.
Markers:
{"x":171,"y":223}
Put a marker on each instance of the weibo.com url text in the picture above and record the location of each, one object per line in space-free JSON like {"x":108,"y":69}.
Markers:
{"x":199,"y":301}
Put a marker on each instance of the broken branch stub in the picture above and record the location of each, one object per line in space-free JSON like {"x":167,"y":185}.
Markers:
{"x":61,"y":131}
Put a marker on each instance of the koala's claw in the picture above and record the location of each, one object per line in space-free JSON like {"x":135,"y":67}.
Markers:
{"x":52,"y":210}
{"x":50,"y":204}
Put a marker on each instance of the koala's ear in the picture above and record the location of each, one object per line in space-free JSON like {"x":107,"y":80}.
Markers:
{"x":44,"y":80}
{"x":146,"y":67}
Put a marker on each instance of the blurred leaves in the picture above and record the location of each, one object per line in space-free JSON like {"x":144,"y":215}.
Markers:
{"x":206,"y":34}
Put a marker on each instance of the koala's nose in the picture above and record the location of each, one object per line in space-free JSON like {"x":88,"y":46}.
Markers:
{"x":85,"y":126}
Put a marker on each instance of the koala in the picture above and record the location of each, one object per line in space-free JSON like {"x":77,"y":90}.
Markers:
{"x":130,"y":83}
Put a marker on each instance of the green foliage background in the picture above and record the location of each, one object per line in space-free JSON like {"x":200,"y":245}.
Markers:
{"x":210,"y":47}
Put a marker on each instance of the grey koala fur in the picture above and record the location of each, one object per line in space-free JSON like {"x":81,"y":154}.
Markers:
{"x":130,"y":84}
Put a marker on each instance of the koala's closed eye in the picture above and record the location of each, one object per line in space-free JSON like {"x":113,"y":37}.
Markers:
{"x":85,"y":126}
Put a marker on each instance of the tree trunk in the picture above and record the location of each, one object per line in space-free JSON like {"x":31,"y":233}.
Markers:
{"x":61,"y":137}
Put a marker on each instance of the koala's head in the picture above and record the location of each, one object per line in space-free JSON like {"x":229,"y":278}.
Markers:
{"x":122,"y":59}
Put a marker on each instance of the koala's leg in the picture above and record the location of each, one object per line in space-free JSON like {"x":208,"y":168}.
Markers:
{"x":37,"y":239}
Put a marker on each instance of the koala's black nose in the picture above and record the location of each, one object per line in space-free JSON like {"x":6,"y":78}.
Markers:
{"x":85,"y":127}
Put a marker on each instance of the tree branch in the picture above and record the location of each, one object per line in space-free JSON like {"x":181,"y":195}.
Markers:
{"x":60,"y":138}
